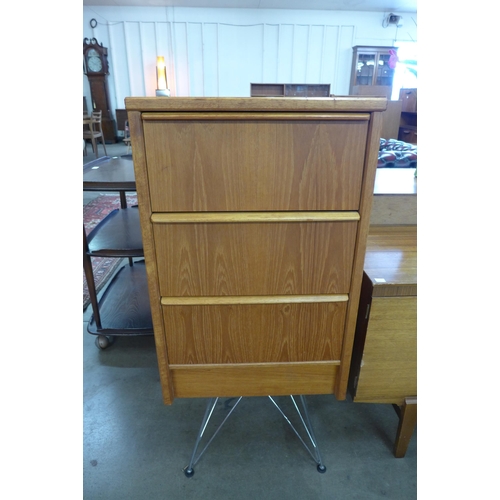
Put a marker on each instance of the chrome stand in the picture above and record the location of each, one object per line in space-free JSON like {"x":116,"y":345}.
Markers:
{"x":304,"y":417}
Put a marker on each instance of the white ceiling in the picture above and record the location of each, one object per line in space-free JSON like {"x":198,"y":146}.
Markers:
{"x":353,"y":5}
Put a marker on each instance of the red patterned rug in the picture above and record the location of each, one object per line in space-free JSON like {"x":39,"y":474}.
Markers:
{"x":93,"y":213}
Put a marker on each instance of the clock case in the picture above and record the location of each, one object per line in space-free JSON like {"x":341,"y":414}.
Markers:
{"x":98,"y":82}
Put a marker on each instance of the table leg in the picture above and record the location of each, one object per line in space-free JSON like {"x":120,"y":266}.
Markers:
{"x":407,"y":422}
{"x":123,"y":199}
{"x":123,"y":204}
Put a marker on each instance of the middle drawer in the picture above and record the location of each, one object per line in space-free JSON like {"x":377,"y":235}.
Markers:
{"x":254,"y":258}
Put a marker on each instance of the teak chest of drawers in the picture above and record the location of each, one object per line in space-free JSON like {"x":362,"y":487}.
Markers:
{"x":254,"y":216}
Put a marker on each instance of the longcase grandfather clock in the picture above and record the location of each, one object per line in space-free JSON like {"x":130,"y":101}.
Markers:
{"x":95,"y":66}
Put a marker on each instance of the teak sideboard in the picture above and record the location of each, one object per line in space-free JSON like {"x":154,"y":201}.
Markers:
{"x":384,"y":359}
{"x":254,"y":217}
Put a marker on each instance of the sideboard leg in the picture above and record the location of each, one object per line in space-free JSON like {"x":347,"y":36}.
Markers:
{"x":407,"y":423}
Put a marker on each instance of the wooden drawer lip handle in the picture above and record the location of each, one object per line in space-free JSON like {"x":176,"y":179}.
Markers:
{"x":243,"y":366}
{"x":255,"y":299}
{"x":224,"y":217}
{"x":256,"y":116}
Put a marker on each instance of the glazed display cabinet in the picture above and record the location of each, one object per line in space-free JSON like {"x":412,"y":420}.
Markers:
{"x":371,"y":68}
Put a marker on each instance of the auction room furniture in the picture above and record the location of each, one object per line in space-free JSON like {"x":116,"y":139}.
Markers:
{"x":384,"y":360}
{"x":86,"y":124}
{"x":124,"y":307}
{"x":408,"y":125}
{"x":391,"y":120}
{"x":392,"y":115}
{"x":371,"y":67}
{"x":289,"y":90}
{"x":110,"y":175}
{"x":96,"y":67}
{"x":254,"y":216}
{"x":126,"y":137}
{"x":93,"y":130}
{"x":121,"y":118}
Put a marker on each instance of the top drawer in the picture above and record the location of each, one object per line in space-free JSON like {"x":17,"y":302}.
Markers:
{"x":250,"y":161}
{"x":409,"y":98}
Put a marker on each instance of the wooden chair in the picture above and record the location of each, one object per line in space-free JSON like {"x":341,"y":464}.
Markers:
{"x":95,"y":132}
{"x":126,"y":138}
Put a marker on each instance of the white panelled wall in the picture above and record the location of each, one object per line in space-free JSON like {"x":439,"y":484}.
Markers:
{"x":219,"y":52}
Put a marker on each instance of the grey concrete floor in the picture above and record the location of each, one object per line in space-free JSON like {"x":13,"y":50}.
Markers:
{"x":135,"y":447}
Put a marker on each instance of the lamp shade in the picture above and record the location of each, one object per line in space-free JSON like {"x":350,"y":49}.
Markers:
{"x":161,"y":78}
{"x":161,"y":73}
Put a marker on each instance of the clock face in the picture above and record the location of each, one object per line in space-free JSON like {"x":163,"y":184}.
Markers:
{"x":94,"y":62}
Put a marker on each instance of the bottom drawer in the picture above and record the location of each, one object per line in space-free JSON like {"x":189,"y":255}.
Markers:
{"x":254,"y":333}
{"x":254,"y":379}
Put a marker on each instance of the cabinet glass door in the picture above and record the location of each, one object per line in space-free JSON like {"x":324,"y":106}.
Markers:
{"x":365,"y":69}
{"x":385,"y":73}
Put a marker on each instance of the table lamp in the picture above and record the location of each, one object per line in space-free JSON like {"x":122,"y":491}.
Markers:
{"x":161,"y":78}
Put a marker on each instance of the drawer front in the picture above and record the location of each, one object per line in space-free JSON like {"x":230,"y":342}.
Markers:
{"x":246,"y":258}
{"x":224,"y":165}
{"x":254,"y":379}
{"x":254,"y":333}
{"x":409,"y":98}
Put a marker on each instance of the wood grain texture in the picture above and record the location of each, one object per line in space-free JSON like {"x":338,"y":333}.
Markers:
{"x":212,"y":104}
{"x":254,"y":259}
{"x":391,"y":120}
{"x":221,"y":164}
{"x":391,"y":256}
{"x":197,"y":217}
{"x":144,"y":203}
{"x":384,"y":363}
{"x":389,"y":366}
{"x":369,"y":171}
{"x":257,"y":333}
{"x":407,"y":423}
{"x":255,"y":116}
{"x":253,"y":299}
{"x":255,"y":165}
{"x":279,"y":379}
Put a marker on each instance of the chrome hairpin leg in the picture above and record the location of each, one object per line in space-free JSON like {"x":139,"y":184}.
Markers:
{"x":308,"y":427}
{"x":304,"y":417}
{"x":189,"y":470}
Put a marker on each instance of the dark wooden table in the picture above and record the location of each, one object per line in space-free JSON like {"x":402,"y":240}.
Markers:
{"x":110,"y":174}
{"x":124,"y":307}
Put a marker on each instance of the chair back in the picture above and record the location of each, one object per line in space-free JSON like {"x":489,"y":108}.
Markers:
{"x":96,"y":122}
{"x":92,"y":129}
